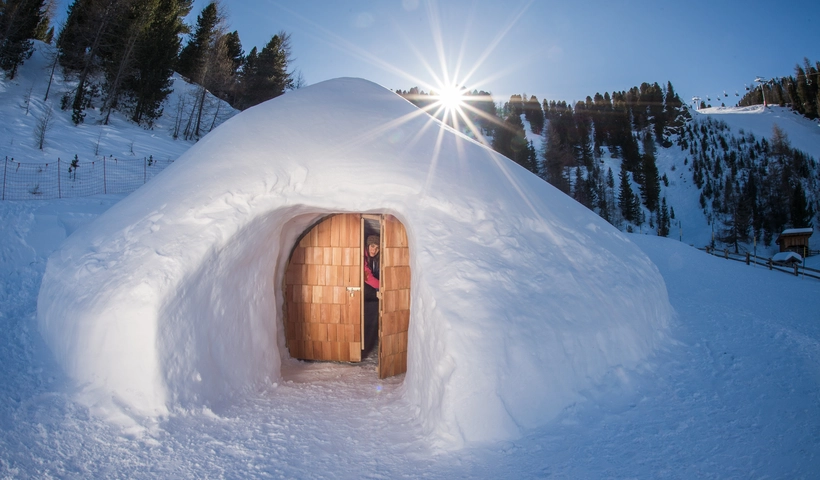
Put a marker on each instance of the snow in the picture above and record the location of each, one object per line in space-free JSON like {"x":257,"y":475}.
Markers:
{"x":792,"y":231}
{"x":520,"y":298}
{"x":732,"y":391}
{"x":733,"y":394}
{"x":787,"y":257}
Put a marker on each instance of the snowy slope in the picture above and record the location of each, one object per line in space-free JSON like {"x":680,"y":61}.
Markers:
{"x":23,"y":106}
{"x":801,"y":133}
{"x":736,"y":394}
{"x":690,"y":225}
{"x":520,"y":297}
{"x":804,"y":134}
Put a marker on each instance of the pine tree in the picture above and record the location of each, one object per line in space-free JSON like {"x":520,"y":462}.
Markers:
{"x":605,"y":196}
{"x":134,"y":43}
{"x":534,"y":115}
{"x":193,"y":57}
{"x":675,"y":114}
{"x":557,"y":158}
{"x":236,"y":57}
{"x":208,"y":60}
{"x":663,"y":219}
{"x":509,"y":140}
{"x":266,"y":75}
{"x":532,"y":159}
{"x":626,"y":197}
{"x":118,"y":55}
{"x":650,"y":183}
{"x":805,"y":97}
{"x":801,"y":213}
{"x":653,"y":98}
{"x":483,"y":112}
{"x":19,"y":20}
{"x":583,"y":129}
{"x":234,"y":50}
{"x":581,"y":192}
{"x":156,"y":56}
{"x":736,"y":216}
{"x":750,"y":198}
{"x":85,"y":35}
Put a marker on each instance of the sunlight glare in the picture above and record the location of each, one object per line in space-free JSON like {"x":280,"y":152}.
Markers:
{"x":451,"y":97}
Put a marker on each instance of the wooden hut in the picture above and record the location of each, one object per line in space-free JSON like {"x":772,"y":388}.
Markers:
{"x":795,"y":240}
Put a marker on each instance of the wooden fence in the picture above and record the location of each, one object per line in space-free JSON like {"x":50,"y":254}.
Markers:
{"x":749,"y":259}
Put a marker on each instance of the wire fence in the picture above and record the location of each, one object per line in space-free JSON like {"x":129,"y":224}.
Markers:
{"x":65,"y":179}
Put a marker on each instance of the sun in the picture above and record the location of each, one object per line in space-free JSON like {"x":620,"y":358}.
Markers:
{"x":450,"y":97}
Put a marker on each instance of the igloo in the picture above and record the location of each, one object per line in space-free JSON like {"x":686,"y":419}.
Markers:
{"x":512,"y":297}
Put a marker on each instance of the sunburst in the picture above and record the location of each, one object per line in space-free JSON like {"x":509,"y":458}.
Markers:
{"x":450,"y":97}
{"x":454,"y":97}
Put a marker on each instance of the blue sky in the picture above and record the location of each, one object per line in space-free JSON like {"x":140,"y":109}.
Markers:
{"x":555,"y":50}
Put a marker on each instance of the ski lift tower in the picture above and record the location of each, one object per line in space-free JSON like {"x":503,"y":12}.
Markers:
{"x":762,"y":81}
{"x":696,"y":101}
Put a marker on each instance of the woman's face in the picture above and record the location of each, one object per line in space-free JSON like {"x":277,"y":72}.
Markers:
{"x":372,"y":249}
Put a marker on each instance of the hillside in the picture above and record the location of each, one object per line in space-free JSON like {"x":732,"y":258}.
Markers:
{"x":24,"y":108}
{"x":682,"y":192}
{"x":734,"y":143}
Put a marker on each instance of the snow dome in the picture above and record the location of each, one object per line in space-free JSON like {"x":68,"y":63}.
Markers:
{"x":518,"y":298}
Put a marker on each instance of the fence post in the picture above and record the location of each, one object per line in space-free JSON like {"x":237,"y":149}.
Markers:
{"x":105,"y":178}
{"x":795,"y":269}
{"x":59,"y":187}
{"x":5,"y":167}
{"x":144,"y":170}
{"x":769,"y":263}
{"x":726,"y":253}
{"x":747,"y":258}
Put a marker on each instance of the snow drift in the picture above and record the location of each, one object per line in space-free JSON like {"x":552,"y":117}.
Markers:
{"x":521,"y":298}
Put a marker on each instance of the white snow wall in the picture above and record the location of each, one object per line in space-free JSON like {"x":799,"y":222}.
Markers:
{"x":520,"y":299}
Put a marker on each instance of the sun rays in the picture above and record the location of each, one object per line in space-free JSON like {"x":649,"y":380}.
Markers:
{"x":452,"y":63}
{"x":448,"y":67}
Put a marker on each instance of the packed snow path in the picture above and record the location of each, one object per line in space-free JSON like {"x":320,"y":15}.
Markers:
{"x":736,"y":395}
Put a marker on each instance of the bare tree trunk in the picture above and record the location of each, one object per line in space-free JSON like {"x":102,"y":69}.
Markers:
{"x":114,"y":87}
{"x":202,"y":97}
{"x":42,"y":126}
{"x":216,"y":115}
{"x":188,"y":133}
{"x":51,"y":75}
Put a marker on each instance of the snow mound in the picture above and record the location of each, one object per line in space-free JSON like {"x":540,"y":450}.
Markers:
{"x":786,"y":258}
{"x":520,"y":299}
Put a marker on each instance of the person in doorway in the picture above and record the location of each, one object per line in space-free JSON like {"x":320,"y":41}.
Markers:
{"x":371,"y":288}
{"x":371,"y":264}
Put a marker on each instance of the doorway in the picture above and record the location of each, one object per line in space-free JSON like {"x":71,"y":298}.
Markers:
{"x":324,"y":292}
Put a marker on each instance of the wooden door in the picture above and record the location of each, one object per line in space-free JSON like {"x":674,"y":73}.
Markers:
{"x":394,"y":285}
{"x":323,"y":297}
